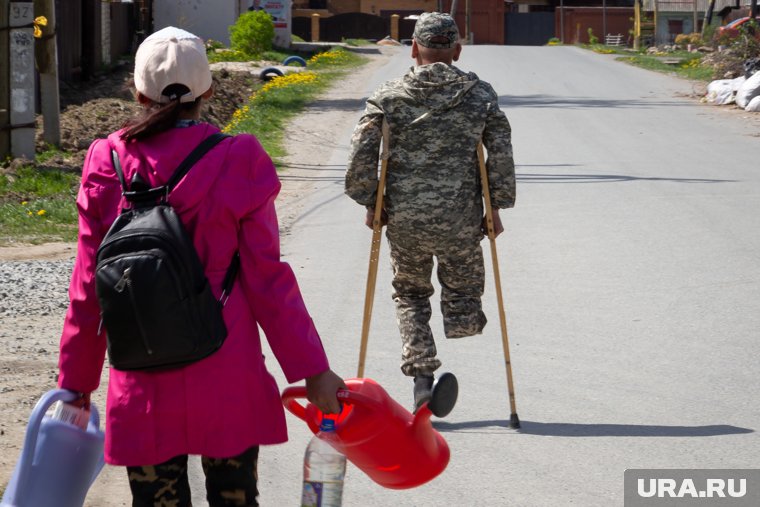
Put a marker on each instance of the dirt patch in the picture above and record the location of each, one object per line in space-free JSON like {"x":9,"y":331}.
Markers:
{"x":94,"y":109}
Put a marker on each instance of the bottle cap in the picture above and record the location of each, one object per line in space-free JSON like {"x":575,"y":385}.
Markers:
{"x":327,"y":425}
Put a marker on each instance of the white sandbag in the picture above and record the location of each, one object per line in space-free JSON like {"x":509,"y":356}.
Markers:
{"x":748,"y":90}
{"x":719,"y":92}
{"x":723,"y":91}
{"x":737,"y":83}
{"x":754,"y":105}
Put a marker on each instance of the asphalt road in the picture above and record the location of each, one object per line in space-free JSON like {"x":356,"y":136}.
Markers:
{"x":632,"y":286}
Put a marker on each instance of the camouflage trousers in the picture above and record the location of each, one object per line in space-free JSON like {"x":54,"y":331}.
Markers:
{"x":461,"y":274}
{"x":229,"y":482}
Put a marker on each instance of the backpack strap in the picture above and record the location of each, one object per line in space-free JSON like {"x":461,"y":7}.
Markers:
{"x":119,"y":171}
{"x":194,"y":157}
{"x":151,"y":194}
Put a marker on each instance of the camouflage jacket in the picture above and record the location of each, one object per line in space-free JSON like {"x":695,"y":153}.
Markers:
{"x":437,"y":114}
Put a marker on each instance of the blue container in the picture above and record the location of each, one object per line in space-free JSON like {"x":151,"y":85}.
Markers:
{"x":58,"y":462}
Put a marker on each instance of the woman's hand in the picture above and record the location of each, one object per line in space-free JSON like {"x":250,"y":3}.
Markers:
{"x":322,"y":391}
{"x":82,"y":402}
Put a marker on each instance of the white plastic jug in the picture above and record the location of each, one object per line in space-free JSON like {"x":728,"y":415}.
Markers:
{"x":58,"y":462}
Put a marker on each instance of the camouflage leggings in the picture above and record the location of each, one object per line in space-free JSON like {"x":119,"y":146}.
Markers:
{"x":229,"y":482}
{"x":462,"y":277}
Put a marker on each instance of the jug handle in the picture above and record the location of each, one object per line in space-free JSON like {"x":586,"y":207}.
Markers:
{"x":93,"y":426}
{"x":290,"y":394}
{"x":33,"y":428}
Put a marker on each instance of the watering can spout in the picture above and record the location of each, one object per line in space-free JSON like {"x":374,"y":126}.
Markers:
{"x":423,"y":431}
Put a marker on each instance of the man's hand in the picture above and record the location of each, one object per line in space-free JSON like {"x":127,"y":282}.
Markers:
{"x":322,"y":391}
{"x":498,"y":228}
{"x":369,"y":218}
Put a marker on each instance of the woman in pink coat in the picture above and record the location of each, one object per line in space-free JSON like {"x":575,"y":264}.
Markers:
{"x":226,"y":405}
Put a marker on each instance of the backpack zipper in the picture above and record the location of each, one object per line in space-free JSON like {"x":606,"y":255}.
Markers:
{"x":125,"y":280}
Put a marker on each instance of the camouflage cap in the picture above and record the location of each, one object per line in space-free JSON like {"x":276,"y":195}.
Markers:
{"x":436,"y":30}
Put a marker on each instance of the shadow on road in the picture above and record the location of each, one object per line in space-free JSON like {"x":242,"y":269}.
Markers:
{"x":606,"y":178}
{"x":593,"y":430}
{"x":578,"y":102}
{"x":339,"y":104}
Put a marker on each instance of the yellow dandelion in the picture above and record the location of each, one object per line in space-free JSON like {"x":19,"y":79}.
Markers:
{"x":24,"y":203}
{"x":41,"y":212}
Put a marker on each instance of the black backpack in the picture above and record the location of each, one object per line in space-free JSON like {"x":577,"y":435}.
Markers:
{"x":155,"y":301}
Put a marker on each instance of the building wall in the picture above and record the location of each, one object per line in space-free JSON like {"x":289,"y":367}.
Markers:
{"x":486,"y":20}
{"x":664,"y":35}
{"x":378,"y":6}
{"x":577,"y":21}
{"x":207,"y":19}
{"x":486,"y":16}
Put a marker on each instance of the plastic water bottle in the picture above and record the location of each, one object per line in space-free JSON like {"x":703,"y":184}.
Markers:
{"x":70,"y":414}
{"x":323,"y":470}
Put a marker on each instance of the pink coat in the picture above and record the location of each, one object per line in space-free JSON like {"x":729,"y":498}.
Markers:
{"x":228,"y":402}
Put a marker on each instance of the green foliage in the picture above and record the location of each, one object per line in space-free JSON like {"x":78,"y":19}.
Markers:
{"x":592,"y":39}
{"x":356,"y":42}
{"x":271,"y":108}
{"x":49,"y":152}
{"x":228,"y":55}
{"x":554,"y":41}
{"x":683,"y":39}
{"x":252,"y":33}
{"x":37,"y":206}
{"x":689,"y":68}
{"x":212,"y":45}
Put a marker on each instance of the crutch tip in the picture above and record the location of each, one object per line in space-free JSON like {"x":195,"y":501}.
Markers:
{"x":514,"y":422}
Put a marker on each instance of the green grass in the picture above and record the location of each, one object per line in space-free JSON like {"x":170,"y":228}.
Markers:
{"x":689,"y":67}
{"x":269,"y":112}
{"x":357,"y":42}
{"x":38,"y":206}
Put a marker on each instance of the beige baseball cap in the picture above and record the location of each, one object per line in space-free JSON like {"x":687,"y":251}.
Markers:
{"x":172,"y":56}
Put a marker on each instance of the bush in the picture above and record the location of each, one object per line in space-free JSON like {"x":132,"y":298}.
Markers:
{"x":252,"y":33}
{"x":592,"y":39}
{"x":684,"y":39}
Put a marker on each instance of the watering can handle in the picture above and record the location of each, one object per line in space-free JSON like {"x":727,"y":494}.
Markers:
{"x":33,"y":428}
{"x":290,"y":394}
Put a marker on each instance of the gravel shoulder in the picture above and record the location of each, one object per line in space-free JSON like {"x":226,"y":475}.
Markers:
{"x":33,"y":292}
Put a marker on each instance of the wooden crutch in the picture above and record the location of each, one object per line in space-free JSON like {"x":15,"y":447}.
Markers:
{"x":374,"y":252}
{"x":514,"y":421}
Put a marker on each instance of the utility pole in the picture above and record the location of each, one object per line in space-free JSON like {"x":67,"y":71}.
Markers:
{"x":46,"y":53}
{"x":21,"y":83}
{"x":708,"y":16}
{"x":467,"y":13}
{"x":636,"y":25}
{"x":5,"y":117}
{"x":753,"y":9}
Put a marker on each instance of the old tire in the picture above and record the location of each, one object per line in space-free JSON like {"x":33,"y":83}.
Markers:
{"x":294,"y":59}
{"x":270,"y":73}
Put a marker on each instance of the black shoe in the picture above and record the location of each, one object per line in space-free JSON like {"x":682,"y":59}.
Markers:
{"x":423,"y":390}
{"x":444,"y":395}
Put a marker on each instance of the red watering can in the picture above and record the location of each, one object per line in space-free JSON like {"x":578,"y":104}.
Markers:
{"x":394,"y":448}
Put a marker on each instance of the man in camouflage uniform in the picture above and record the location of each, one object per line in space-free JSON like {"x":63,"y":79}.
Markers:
{"x":437,"y":114}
